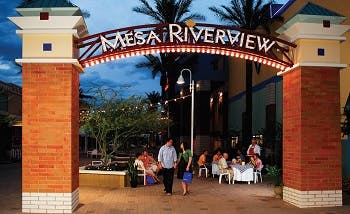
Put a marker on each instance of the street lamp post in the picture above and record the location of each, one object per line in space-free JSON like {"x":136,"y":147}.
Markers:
{"x":181,"y":81}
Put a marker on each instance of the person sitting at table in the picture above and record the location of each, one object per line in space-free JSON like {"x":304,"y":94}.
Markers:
{"x":253,"y":148}
{"x":141,"y":166}
{"x":235,"y":161}
{"x":223,"y":167}
{"x":239,"y":154}
{"x":217,"y":156}
{"x":256,"y":162}
{"x":202,"y":161}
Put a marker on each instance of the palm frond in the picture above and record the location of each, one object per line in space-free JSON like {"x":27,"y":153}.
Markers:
{"x":153,"y":63}
{"x":168,"y":11}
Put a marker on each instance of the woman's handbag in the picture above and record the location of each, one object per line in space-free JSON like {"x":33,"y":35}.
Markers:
{"x":187,"y":177}
{"x":150,"y":180}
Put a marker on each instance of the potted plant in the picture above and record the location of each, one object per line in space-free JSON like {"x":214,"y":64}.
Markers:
{"x":132,"y":171}
{"x":275,"y":173}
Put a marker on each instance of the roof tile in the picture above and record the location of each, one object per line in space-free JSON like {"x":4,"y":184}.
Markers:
{"x":313,"y":9}
{"x":46,"y":3}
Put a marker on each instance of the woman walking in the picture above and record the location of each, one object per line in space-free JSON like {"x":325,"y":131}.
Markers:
{"x":184,"y":165}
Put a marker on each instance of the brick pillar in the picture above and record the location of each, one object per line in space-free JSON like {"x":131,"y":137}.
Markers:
{"x":50,"y":161}
{"x":311,"y":137}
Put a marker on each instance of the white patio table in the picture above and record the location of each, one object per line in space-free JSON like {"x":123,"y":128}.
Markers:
{"x":243,"y":173}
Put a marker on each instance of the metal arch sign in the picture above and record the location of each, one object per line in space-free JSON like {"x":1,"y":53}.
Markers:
{"x":180,"y":38}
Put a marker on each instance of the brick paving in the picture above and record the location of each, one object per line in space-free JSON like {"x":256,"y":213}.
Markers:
{"x":207,"y":196}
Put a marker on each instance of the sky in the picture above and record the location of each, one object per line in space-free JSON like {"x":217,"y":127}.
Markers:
{"x":105,"y":15}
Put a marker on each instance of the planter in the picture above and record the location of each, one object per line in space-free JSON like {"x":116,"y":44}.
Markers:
{"x":133,"y":184}
{"x":278,"y":191}
{"x":106,"y":179}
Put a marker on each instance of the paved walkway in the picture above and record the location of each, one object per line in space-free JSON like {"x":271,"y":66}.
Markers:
{"x":207,"y":196}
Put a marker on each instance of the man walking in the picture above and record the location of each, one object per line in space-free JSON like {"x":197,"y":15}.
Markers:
{"x":167,"y":158}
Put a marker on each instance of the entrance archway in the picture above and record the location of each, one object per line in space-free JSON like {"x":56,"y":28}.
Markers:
{"x":185,"y":38}
{"x":51,"y":65}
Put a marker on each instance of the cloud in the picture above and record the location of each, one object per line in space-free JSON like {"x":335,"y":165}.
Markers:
{"x":10,"y":43}
{"x":9,"y":72}
{"x":120,"y":75}
{"x":4,"y":67}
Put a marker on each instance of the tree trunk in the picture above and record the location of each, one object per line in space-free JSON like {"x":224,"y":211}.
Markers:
{"x":248,"y":104}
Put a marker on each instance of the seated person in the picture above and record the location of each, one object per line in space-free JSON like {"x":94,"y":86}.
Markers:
{"x":140,"y":166}
{"x":223,"y":167}
{"x":203,"y":159}
{"x":239,"y":154}
{"x":256,"y":162}
{"x":217,"y":156}
{"x":149,"y":162}
{"x":236,"y":161}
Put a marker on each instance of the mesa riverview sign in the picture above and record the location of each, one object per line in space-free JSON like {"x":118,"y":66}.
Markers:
{"x":181,"y":38}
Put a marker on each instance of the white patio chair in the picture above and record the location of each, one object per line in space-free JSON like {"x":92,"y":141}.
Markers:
{"x":96,"y":163}
{"x":257,"y":172}
{"x":215,"y":169}
{"x":142,"y":173}
{"x":200,"y":171}
{"x":92,"y":153}
{"x":225,"y":174}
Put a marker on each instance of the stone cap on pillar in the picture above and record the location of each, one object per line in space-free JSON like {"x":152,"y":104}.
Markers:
{"x":48,"y":30}
{"x":317,"y":32}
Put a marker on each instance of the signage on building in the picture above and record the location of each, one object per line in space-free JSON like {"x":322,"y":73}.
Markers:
{"x":178,"y":34}
{"x":199,"y":38}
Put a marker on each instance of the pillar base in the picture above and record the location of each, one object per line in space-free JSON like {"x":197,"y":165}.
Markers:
{"x":306,"y":199}
{"x":50,"y":202}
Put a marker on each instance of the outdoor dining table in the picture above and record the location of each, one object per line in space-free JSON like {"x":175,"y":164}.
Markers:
{"x":243,"y":173}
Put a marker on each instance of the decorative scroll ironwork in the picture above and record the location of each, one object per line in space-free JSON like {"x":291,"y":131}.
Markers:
{"x":180,"y":38}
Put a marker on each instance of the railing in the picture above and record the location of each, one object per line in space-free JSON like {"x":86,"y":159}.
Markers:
{"x":16,"y":152}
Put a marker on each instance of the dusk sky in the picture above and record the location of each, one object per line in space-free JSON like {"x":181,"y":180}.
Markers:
{"x":105,"y":15}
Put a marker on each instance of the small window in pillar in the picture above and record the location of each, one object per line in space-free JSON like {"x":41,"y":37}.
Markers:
{"x":320,"y":52}
{"x":326,"y":23}
{"x":44,"y":15}
{"x":47,"y":47}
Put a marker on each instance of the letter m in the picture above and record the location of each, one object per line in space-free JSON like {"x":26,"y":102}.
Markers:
{"x":118,"y":40}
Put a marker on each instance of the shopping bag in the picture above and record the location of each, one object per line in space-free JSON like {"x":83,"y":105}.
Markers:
{"x":149,"y":180}
{"x":187,"y":177}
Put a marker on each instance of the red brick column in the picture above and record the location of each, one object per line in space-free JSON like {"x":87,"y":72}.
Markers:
{"x":50,"y":144}
{"x":311,"y":137}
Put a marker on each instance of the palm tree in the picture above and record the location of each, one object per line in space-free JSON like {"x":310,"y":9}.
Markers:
{"x":153,"y":97}
{"x":250,"y":15}
{"x":156,"y":66}
{"x":166,"y":11}
{"x":83,"y":100}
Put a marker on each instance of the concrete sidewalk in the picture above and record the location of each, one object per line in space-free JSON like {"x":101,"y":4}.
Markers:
{"x":207,"y":196}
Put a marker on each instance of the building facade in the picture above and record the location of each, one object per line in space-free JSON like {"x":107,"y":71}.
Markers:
{"x":10,"y":117}
{"x":320,"y":29}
